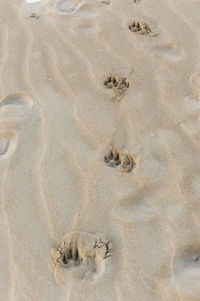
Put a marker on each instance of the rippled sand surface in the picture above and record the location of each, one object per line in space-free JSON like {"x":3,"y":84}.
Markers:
{"x":99,"y":150}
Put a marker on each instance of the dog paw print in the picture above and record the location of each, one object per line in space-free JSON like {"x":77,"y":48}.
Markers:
{"x":142,"y":28}
{"x":67,"y":254}
{"x":34,"y":16}
{"x":119,"y":160}
{"x":118,"y":84}
{"x":81,"y":255}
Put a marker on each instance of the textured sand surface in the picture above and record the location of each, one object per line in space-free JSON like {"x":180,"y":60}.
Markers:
{"x":99,"y":150}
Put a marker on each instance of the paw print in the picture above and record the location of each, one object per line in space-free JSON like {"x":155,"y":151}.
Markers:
{"x":142,"y":28}
{"x":81,"y":254}
{"x":119,"y":160}
{"x":118,"y":84}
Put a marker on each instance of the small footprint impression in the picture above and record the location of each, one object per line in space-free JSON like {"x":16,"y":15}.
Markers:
{"x":104,"y":2}
{"x":13,"y":109}
{"x":68,"y":7}
{"x":187,"y":272}
{"x":8,"y":143}
{"x":118,"y":84}
{"x":142,"y":28}
{"x":81,"y":255}
{"x":120,"y":161}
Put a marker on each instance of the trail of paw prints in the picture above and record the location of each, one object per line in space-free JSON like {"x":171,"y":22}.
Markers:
{"x":142,"y":28}
{"x":118,"y":84}
{"x":122,"y":162}
{"x":81,"y":256}
{"x":13,"y":109}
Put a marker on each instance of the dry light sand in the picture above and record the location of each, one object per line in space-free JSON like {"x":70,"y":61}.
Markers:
{"x":99,"y":150}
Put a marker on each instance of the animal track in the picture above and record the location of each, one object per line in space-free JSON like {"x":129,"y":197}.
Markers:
{"x":15,"y":107}
{"x":8,"y":143}
{"x":67,"y":255}
{"x":188,"y":259}
{"x":142,"y":28}
{"x":105,"y":2}
{"x":187,"y":272}
{"x":34,"y":16}
{"x":119,"y":160}
{"x":68,"y":6}
{"x":82,"y":255}
{"x":118,"y":84}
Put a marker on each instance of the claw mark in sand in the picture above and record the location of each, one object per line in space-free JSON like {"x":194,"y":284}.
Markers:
{"x":117,"y":159}
{"x":81,"y":255}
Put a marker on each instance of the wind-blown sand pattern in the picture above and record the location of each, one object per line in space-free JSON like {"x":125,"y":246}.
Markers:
{"x":63,"y":65}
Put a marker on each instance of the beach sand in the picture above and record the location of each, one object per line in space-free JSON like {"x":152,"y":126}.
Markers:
{"x":99,"y":150}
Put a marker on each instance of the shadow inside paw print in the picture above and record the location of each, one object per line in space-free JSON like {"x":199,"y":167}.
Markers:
{"x":34,"y":16}
{"x":119,"y":160}
{"x":142,"y":28}
{"x":118,"y":84}
{"x":67,"y":255}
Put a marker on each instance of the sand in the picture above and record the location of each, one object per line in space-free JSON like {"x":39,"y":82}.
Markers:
{"x":99,"y":150}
